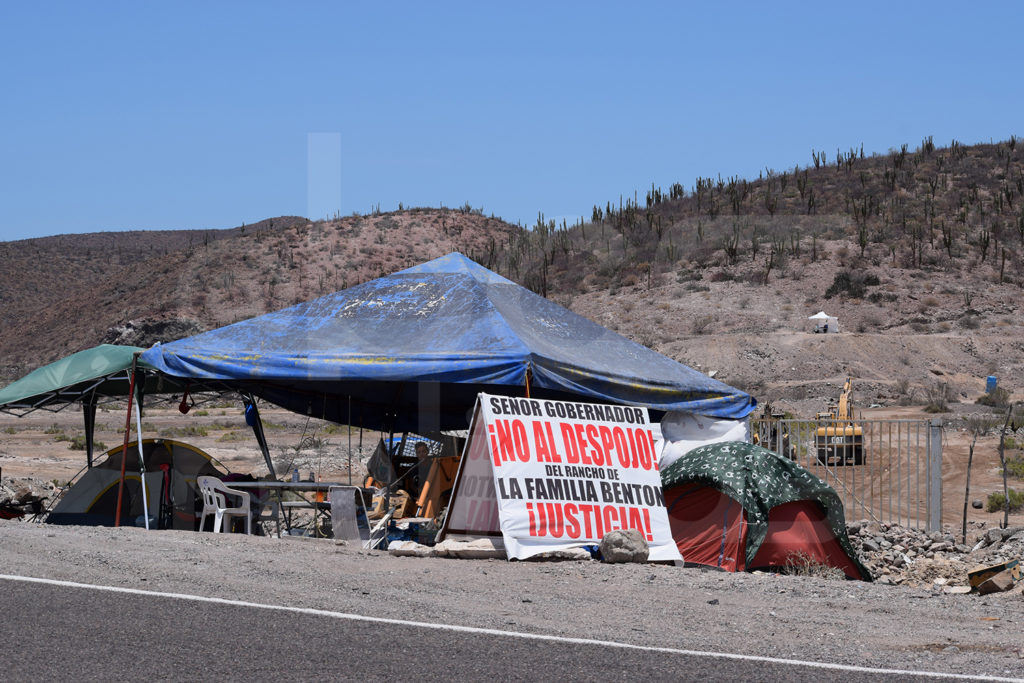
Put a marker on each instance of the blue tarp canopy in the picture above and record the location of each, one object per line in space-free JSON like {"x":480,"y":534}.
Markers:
{"x":411,"y":351}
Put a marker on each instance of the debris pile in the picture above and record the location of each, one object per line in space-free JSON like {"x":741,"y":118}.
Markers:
{"x":25,"y":495}
{"x":939,"y":560}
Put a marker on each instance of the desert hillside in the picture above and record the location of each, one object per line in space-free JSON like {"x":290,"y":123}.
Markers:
{"x":918,"y":252}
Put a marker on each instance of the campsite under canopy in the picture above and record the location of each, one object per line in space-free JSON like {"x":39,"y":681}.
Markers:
{"x":103,"y":372}
{"x":410,"y":351}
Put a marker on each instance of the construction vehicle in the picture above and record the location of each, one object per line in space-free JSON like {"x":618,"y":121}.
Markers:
{"x":838,"y":440}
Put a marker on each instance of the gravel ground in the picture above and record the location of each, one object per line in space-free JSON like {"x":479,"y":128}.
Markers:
{"x":658,"y":605}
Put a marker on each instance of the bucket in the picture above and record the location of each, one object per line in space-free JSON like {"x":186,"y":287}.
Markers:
{"x":990,"y":384}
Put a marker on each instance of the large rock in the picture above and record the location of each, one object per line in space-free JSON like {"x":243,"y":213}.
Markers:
{"x":567,"y":554}
{"x":477,"y":549}
{"x":624,"y":545}
{"x":994,"y":536}
{"x":409,"y":549}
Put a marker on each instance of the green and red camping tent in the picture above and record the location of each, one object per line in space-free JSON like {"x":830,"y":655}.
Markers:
{"x":740,"y":507}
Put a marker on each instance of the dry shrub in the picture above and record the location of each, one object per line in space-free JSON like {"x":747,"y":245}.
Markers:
{"x":702,"y":324}
{"x":938,"y":396}
{"x":799,"y":563}
{"x":969,"y":322}
{"x":997,"y":501}
{"x":997,"y":398}
{"x":869,"y":322}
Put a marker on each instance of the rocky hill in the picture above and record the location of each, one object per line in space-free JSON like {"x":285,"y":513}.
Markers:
{"x":920,"y":253}
{"x":70,"y":292}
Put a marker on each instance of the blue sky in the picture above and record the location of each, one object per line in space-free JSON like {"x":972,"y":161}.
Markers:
{"x":208,"y":115}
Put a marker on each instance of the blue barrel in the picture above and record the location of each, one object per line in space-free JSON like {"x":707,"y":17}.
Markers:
{"x":990,"y":384}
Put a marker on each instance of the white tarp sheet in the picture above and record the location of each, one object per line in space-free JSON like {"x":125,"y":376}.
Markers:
{"x":682,"y":432}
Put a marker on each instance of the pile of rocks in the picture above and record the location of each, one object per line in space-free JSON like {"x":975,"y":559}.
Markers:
{"x":26,"y":494}
{"x":940,"y":560}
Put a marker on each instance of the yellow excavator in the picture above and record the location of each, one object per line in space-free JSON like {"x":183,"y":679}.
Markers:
{"x":838,"y":440}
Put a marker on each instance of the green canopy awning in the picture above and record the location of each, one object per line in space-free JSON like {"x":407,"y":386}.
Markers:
{"x":100,"y":371}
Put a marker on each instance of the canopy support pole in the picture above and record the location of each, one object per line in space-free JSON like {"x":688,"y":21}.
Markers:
{"x":257,"y":429}
{"x":142,"y":459}
{"x":124,"y":449}
{"x":350,"y":440}
{"x":89,"y":415}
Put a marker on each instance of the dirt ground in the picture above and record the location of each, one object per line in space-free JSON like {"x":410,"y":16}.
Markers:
{"x":915,"y":626}
{"x":792,"y":617}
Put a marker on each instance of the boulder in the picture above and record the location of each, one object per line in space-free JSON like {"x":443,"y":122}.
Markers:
{"x":568,"y":554}
{"x":994,"y":536}
{"x":624,"y":545}
{"x":26,"y":495}
{"x":477,"y":549}
{"x":409,"y":549}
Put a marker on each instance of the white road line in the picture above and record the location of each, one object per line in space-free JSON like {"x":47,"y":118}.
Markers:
{"x":507,"y":634}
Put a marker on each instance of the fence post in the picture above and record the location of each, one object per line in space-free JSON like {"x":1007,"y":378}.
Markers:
{"x":935,"y":475}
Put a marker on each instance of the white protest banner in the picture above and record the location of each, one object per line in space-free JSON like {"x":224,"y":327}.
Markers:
{"x":563,"y":475}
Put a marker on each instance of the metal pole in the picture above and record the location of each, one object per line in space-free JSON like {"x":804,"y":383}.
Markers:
{"x":889,"y":476}
{"x":89,"y":415}
{"x":124,"y":449}
{"x":935,"y":477}
{"x":142,"y":463}
{"x":350,"y":440}
{"x":899,"y":472}
{"x":251,"y":411}
{"x":916,"y":475}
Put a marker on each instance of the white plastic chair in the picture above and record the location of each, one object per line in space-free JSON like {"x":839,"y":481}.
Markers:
{"x":215,"y":502}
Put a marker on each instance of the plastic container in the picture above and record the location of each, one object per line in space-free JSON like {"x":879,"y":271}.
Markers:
{"x":990,"y":384}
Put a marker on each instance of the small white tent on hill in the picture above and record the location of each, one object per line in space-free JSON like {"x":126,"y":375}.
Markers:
{"x":823,"y":322}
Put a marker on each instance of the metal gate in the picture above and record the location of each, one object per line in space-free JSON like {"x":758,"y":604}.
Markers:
{"x":884,"y":470}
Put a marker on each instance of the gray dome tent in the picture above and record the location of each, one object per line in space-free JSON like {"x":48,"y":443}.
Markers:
{"x":171,"y":471}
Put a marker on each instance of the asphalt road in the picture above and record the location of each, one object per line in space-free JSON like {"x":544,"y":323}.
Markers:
{"x":57,"y":632}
